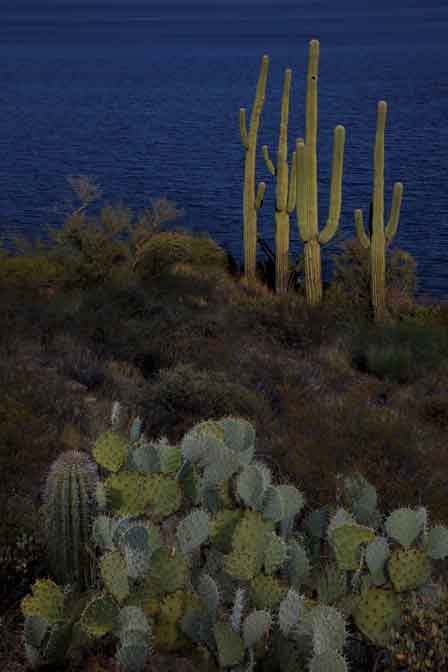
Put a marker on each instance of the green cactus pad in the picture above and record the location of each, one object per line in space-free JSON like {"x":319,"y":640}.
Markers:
{"x":249,"y":543}
{"x":100,"y":616}
{"x":404,"y":525}
{"x":376,"y":613}
{"x":267,"y":591}
{"x":222,"y":527}
{"x":170,"y":459}
{"x":256,"y":626}
{"x":329,"y":661}
{"x":47,"y":601}
{"x":114,"y":573}
{"x":252,"y":483}
{"x":298,"y":566}
{"x":275,"y":554}
{"x":346,"y":542}
{"x":164,"y":496}
{"x":168,"y":572}
{"x":239,"y":435}
{"x":193,"y":530}
{"x":437,"y":543}
{"x":127,"y":493}
{"x":168,"y":634}
{"x":408,"y":568}
{"x":229,"y":643}
{"x":110,"y":450}
{"x":209,"y":428}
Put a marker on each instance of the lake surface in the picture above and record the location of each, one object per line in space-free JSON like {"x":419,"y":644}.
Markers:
{"x":145,"y":100}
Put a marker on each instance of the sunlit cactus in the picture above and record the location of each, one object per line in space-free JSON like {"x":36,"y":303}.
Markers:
{"x":252,"y":203}
{"x":285,"y":192}
{"x":379,"y":238}
{"x":306,"y":190}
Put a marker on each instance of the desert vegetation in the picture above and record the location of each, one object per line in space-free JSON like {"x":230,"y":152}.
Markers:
{"x":120,"y":309}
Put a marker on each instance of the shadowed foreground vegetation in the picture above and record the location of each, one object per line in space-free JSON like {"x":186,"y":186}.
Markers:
{"x":164,"y":323}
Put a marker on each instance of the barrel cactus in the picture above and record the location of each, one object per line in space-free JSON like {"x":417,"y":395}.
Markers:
{"x":69,"y":509}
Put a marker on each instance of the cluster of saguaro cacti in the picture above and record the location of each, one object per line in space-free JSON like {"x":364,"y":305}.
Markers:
{"x":379,"y":238}
{"x":300,"y":192}
{"x":233,"y":568}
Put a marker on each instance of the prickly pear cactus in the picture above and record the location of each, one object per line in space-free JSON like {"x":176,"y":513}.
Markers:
{"x":197,"y":547}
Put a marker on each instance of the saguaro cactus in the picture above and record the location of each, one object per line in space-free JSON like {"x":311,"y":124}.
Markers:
{"x":306,"y":176}
{"x":252,"y":203}
{"x":379,"y":238}
{"x":285,"y":191}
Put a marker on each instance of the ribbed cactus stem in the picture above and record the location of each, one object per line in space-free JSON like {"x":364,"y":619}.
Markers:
{"x":306,"y":190}
{"x":379,"y":238}
{"x":69,"y":509}
{"x":252,"y":202}
{"x":285,"y":191}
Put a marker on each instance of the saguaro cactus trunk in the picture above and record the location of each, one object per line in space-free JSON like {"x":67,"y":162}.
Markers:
{"x":379,"y":238}
{"x":306,"y":190}
{"x":285,"y":191}
{"x":252,"y":203}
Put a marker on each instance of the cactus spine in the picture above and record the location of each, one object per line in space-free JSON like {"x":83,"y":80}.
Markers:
{"x":252,"y":203}
{"x":69,"y":502}
{"x":379,"y":238}
{"x":306,"y":176}
{"x":285,"y":197}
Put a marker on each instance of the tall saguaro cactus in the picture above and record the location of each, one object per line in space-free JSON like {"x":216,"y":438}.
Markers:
{"x":379,"y":238}
{"x":285,"y":191}
{"x":306,"y":176}
{"x":252,"y":203}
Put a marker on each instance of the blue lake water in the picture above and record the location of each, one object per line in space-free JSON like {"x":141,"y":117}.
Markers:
{"x":145,"y":99}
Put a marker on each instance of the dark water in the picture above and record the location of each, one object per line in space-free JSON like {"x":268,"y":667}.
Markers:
{"x":145,"y":99}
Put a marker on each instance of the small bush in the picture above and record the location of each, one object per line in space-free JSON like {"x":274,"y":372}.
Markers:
{"x":80,"y":363}
{"x":401,"y":353}
{"x":351,"y":273}
{"x":188,"y":393}
{"x":165,"y":249}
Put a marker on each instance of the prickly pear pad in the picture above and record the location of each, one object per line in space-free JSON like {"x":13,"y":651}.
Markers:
{"x":408,"y":568}
{"x":347,"y":539}
{"x":376,"y":613}
{"x":47,"y":600}
{"x":267,"y":591}
{"x":100,"y":616}
{"x":127,"y":493}
{"x":249,"y":543}
{"x":110,"y":450}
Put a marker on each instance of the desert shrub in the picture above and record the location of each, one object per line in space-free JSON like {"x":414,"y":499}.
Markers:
{"x":401,"y":353}
{"x":186,"y":392}
{"x":172,"y":247}
{"x":79,"y":362}
{"x":88,"y":248}
{"x":351,"y":272}
{"x":424,"y":315}
{"x":435,"y":410}
{"x":29,"y":272}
